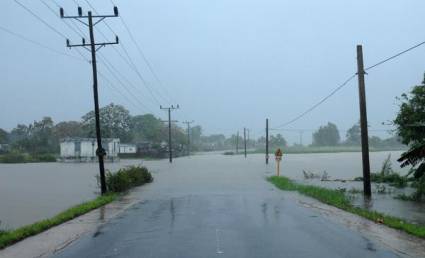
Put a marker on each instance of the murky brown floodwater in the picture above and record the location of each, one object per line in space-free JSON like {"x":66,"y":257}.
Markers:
{"x":30,"y":192}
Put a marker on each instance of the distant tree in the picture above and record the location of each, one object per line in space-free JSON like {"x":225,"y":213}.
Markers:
{"x":4,"y":136}
{"x":147,"y":128}
{"x":19,"y":133}
{"x":353,"y":135}
{"x":114,"y":121}
{"x":375,"y":141}
{"x":261,"y":141}
{"x":35,"y":138}
{"x":277,"y":141}
{"x":327,"y":135}
{"x":68,"y":129}
{"x":230,"y":142}
{"x":214,"y":141}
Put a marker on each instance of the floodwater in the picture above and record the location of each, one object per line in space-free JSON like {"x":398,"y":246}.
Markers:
{"x":31,"y":192}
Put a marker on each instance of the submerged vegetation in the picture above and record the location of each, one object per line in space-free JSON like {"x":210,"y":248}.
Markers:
{"x":127,"y":178}
{"x":340,"y":200}
{"x":388,"y":175}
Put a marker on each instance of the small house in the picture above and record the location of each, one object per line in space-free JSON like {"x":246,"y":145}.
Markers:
{"x":84,"y":149}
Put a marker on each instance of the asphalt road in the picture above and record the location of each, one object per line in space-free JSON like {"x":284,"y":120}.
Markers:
{"x":219,"y":206}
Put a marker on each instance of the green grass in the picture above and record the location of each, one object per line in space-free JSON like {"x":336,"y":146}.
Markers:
{"x":9,"y":237}
{"x":319,"y":149}
{"x":340,"y":200}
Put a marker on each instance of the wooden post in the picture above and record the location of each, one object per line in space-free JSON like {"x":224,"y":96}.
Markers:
{"x":363,"y":123}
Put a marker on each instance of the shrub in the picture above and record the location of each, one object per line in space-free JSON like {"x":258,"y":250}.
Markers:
{"x":44,"y":158}
{"x":126,"y":178}
{"x":13,"y":157}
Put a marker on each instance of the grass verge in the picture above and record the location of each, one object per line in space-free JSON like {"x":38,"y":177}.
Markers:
{"x":9,"y":237}
{"x":340,"y":200}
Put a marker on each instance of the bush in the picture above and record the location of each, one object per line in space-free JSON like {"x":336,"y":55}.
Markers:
{"x":44,"y":158}
{"x":126,"y":178}
{"x":13,"y":157}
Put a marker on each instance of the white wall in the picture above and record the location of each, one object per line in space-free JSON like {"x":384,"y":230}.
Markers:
{"x":67,"y":149}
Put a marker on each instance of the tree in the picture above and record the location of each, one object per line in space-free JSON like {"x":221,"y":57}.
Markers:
{"x":327,"y":135}
{"x":410,"y":123}
{"x":68,"y":129}
{"x":375,"y":141}
{"x":147,"y":128}
{"x":353,"y":135}
{"x":410,"y":119}
{"x":277,"y":141}
{"x":4,"y":136}
{"x":35,"y":138}
{"x":114,"y":123}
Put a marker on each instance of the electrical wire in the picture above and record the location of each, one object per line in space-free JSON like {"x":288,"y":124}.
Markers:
{"x":142,"y":54}
{"x":40,"y":19}
{"x":51,"y":49}
{"x":39,"y":44}
{"x":346,"y":82}
{"x":395,"y":56}
{"x":130,"y":61}
{"x":318,"y":103}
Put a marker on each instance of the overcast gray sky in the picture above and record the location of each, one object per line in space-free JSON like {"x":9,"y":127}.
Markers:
{"x":228,"y":63}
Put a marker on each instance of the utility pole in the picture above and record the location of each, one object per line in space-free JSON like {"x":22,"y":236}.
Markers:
{"x":93,"y":47}
{"x":244,"y":139}
{"x":188,"y":135}
{"x":170,"y":149}
{"x":237,"y":142}
{"x":267,"y":141}
{"x":301,"y":137}
{"x":247,"y":141}
{"x":363,"y":123}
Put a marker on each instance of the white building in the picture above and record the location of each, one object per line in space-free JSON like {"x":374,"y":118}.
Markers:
{"x":126,"y":148}
{"x":84,"y":149}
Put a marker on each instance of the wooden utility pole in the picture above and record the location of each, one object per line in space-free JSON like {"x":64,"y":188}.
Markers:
{"x":237,"y":142}
{"x":267,"y":141}
{"x":244,"y":140}
{"x":170,"y":145}
{"x":363,"y":123}
{"x":94,"y":47}
{"x":188,"y":135}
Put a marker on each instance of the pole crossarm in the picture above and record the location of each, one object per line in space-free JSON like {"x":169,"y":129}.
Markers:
{"x":89,"y":45}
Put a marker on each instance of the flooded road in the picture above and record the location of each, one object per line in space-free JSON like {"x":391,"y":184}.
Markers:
{"x":31,"y":192}
{"x":221,"y":206}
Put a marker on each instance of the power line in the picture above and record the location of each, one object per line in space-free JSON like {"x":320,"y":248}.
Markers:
{"x":395,"y":56}
{"x":40,"y":19}
{"x":80,"y":32}
{"x":39,"y":44}
{"x":112,"y":86}
{"x":129,"y":61}
{"x":83,"y":58}
{"x":57,"y":15}
{"x":144,"y":56}
{"x":318,"y":103}
{"x":348,"y":80}
{"x":125,"y":87}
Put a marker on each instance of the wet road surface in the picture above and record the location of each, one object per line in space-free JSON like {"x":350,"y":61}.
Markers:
{"x":212,"y":211}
